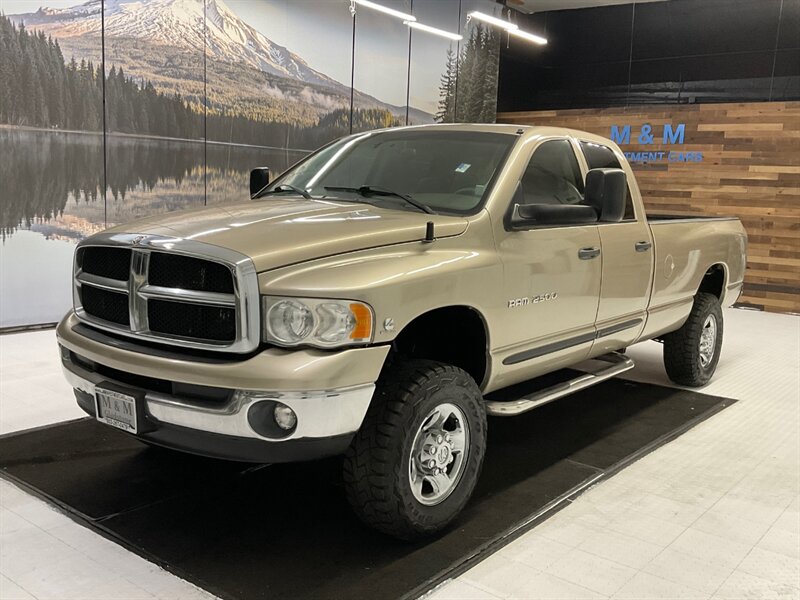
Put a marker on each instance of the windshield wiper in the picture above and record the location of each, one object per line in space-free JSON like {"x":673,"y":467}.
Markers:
{"x":282,"y":189}
{"x":372,"y":190}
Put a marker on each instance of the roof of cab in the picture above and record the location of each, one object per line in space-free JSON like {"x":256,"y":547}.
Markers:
{"x":511,"y":128}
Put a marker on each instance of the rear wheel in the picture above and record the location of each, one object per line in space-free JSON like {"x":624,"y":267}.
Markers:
{"x":414,"y":463}
{"x":692,"y":352}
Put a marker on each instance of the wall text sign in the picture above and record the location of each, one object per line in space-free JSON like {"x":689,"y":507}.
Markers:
{"x":670,"y":135}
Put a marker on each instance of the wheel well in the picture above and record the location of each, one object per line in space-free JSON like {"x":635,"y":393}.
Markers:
{"x":455,"y":335}
{"x":713,"y":281}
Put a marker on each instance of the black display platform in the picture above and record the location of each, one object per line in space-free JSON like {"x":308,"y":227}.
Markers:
{"x":245,"y":531}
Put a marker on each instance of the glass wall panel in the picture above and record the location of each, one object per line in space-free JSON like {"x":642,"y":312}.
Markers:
{"x":277,"y":79}
{"x":434,"y":62}
{"x":381,"y":69}
{"x":155,"y":155}
{"x":52,"y":155}
{"x":476,"y":83}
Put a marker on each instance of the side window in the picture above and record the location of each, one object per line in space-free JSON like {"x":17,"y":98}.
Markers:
{"x":553,"y":175}
{"x":601,"y":157}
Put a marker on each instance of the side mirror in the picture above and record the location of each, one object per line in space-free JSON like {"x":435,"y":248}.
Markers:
{"x":606,"y":192}
{"x":259,"y":179}
{"x":526,"y":216}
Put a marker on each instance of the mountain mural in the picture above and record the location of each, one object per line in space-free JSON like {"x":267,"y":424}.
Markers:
{"x":162,"y":42}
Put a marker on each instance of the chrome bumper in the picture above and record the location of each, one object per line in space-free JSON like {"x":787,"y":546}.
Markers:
{"x":320,"y":414}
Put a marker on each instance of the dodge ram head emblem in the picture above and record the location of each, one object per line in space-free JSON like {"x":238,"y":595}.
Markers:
{"x":137,"y":240}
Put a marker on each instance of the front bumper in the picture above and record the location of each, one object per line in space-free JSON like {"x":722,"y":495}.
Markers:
{"x":235,"y":426}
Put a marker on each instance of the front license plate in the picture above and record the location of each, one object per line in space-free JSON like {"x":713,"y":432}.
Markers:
{"x":116,"y":409}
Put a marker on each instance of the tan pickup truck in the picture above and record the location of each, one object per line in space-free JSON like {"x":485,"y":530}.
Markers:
{"x":367,"y":300}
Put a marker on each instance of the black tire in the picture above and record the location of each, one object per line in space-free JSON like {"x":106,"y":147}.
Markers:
{"x":682,"y":355}
{"x":378,"y":462}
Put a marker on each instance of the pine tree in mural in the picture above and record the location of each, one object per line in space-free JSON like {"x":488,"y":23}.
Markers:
{"x":38,"y":89}
{"x":447,"y":90}
{"x":491,"y":67}
{"x":468,"y":89}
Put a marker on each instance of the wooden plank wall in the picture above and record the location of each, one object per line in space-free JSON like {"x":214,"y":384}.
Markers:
{"x":750,"y":168}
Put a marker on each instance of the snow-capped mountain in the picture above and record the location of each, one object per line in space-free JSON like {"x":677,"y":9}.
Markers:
{"x":179,"y":24}
{"x":170,"y":32}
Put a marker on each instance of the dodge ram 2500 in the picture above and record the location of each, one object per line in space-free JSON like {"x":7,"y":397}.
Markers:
{"x":367,"y":300}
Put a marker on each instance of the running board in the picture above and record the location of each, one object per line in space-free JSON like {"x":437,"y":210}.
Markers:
{"x":619,"y":363}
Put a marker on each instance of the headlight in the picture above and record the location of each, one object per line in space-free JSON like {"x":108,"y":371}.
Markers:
{"x":316,"y":322}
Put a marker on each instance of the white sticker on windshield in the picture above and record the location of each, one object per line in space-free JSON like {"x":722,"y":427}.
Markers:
{"x":462,"y":168}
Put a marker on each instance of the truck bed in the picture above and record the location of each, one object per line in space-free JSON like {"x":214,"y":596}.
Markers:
{"x":685,"y":249}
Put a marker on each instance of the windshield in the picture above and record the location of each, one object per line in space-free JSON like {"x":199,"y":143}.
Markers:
{"x":445,"y":171}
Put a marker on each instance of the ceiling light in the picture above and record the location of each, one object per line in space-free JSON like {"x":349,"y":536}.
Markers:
{"x":508,"y":25}
{"x":386,"y":9}
{"x":512,"y":28}
{"x":528,"y":36}
{"x":434,"y":30}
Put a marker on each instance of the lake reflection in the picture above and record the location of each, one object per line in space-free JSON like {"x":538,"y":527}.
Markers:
{"x":51,"y":189}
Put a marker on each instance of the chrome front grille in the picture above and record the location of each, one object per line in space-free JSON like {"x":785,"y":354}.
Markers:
{"x":186,"y":272}
{"x":170,"y":290}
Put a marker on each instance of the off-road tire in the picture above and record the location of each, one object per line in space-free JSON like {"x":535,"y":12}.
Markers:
{"x":376,"y":465}
{"x":682,"y":347}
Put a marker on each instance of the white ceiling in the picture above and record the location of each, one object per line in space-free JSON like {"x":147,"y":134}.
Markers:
{"x":531,"y":6}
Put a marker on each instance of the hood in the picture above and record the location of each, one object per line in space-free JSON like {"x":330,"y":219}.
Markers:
{"x":275,"y":232}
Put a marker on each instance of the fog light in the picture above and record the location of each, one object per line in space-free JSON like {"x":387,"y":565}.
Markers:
{"x":284,"y":417}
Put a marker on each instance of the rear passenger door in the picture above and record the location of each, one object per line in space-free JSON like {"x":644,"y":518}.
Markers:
{"x":627,"y":268}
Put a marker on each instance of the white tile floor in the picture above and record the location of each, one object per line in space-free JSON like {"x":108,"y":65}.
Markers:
{"x":713,"y":514}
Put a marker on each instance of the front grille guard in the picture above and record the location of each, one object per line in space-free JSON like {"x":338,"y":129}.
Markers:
{"x":245,"y":296}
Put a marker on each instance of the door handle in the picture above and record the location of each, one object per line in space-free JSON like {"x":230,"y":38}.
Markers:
{"x":588,"y":253}
{"x":643,"y":246}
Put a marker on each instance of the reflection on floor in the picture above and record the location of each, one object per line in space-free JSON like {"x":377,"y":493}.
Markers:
{"x":714,"y":514}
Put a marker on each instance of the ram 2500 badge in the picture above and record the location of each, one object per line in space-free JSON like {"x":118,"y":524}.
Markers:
{"x":368,"y":299}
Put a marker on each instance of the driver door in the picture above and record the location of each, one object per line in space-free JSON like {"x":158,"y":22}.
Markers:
{"x":551,"y":273}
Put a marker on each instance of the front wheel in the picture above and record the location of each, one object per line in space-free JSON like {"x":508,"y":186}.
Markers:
{"x":692,"y":352}
{"x":416,"y":459}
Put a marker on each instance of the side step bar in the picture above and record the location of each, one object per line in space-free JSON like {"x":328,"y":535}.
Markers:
{"x":618,"y":363}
